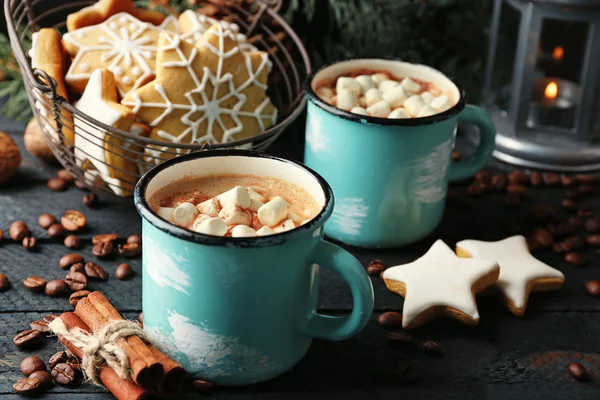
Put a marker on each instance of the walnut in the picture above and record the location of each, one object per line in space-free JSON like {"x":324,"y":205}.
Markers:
{"x":10,"y":157}
{"x":35,"y":142}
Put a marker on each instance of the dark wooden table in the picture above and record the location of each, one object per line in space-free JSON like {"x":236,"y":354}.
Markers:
{"x":505,"y":357}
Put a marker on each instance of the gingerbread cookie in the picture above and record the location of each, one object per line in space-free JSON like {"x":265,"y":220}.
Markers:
{"x":104,"y":9}
{"x":208,"y":93}
{"x":440,"y":283}
{"x":520,"y":272}
{"x":110,"y":157}
{"x":122,"y":44}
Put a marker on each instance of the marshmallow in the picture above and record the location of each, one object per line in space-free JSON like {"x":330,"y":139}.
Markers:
{"x":242,"y":231}
{"x":379,"y":77}
{"x":346,"y":99}
{"x":410,"y":86}
{"x":380,"y":109}
{"x":362,"y":102}
{"x":285,"y":226}
{"x":349,"y":84}
{"x":359,"y":110}
{"x":372,"y":96}
{"x":264,"y":231}
{"x":199,"y":219}
{"x":399,"y":113}
{"x":255,"y":195}
{"x":273,"y":212}
{"x":440,"y":103}
{"x":395,"y":97}
{"x":165,"y":213}
{"x":426,"y":112}
{"x":325,"y":93}
{"x":295,"y":217}
{"x":238,"y":195}
{"x":233,"y":214}
{"x":212,"y":226}
{"x":209,"y":207}
{"x":255,"y":205}
{"x":414,"y":105}
{"x":184,"y":214}
{"x":365,"y":82}
{"x":387,"y":85}
{"x":427,"y":97}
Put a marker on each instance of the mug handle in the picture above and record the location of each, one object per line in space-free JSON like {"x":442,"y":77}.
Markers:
{"x":487,"y":131}
{"x":351,"y":270}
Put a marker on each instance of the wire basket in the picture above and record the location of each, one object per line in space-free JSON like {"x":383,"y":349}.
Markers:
{"x":258,"y":19}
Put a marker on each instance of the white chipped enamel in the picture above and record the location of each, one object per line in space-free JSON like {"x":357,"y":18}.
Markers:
{"x":212,"y":226}
{"x":349,"y":215}
{"x":163,"y":267}
{"x":238,"y":195}
{"x":242,"y":231}
{"x":273,"y":212}
{"x":233,"y":214}
{"x":210,"y":207}
{"x":184,"y":214}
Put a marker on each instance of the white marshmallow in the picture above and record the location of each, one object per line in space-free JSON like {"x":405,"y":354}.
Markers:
{"x":273,"y":212}
{"x":212,"y":226}
{"x":395,"y":97}
{"x":184,"y":214}
{"x":414,"y":105}
{"x":242,"y":231}
{"x":427,"y":97}
{"x":359,"y":110}
{"x":233,"y":214}
{"x":380,"y":109}
{"x":165,"y":213}
{"x":210,"y":207}
{"x":426,"y":112}
{"x":365,"y":82}
{"x":410,"y":86}
{"x":199,"y":219}
{"x":349,"y":84}
{"x":399,"y":113}
{"x":295,"y":217}
{"x":387,"y":85}
{"x":255,"y":205}
{"x":325,"y":93}
{"x":255,"y":195}
{"x":285,"y":226}
{"x":264,"y":231}
{"x":440,"y":103}
{"x":362,"y":102}
{"x":346,"y":99}
{"x":238,"y":195}
{"x":379,"y":77}
{"x":372,"y":96}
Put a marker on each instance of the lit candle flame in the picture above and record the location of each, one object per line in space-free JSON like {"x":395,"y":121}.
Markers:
{"x":551,"y":91}
{"x":558,"y":53}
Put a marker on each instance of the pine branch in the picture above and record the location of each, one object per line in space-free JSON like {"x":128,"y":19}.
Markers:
{"x":12,"y":87}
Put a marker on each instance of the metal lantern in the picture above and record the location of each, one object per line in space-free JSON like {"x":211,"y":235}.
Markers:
{"x":542,"y":83}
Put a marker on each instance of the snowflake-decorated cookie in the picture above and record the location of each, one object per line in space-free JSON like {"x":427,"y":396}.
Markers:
{"x":122,"y":44}
{"x":209,"y":93}
{"x":193,"y":25}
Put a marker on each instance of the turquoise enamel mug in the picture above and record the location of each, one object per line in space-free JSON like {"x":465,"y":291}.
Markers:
{"x":238,"y":311}
{"x":389,"y":176}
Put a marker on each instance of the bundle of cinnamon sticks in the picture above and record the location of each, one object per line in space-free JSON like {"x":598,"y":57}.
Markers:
{"x":153,"y":374}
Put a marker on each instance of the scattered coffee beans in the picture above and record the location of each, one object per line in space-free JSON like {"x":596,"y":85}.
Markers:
{"x":63,"y":374}
{"x":576,"y":259}
{"x":105,"y":237}
{"x":4,"y":283}
{"x":66,"y":176}
{"x":56,"y":231}
{"x":79,"y":267}
{"x":51,"y":317}
{"x":390,"y":319}
{"x":576,"y":221}
{"x":76,"y":281}
{"x":593,"y":240}
{"x":30,"y":243}
{"x":551,"y":178}
{"x":45,"y":220}
{"x":543,"y":237}
{"x":27,"y":386}
{"x":35,"y":284}
{"x":32,"y":364}
{"x":498,"y":182}
{"x":567,"y":181}
{"x":587,"y":178}
{"x":123,"y":272}
{"x":73,"y":221}
{"x":518,"y":178}
{"x":202,"y":386}
{"x":592,"y":224}
{"x":72,"y":242}
{"x":90,"y":200}
{"x":56,"y":184}
{"x":81,"y":185}
{"x":536,"y":178}
{"x":94,"y":271}
{"x":28,"y":339}
{"x":40,"y":325}
{"x":130,"y":250}
{"x":432,"y":349}
{"x":103,"y":249}
{"x":68,"y":260}
{"x":18,"y":231}
{"x":376,"y":267}
{"x":584,"y":212}
{"x":593,"y":288}
{"x":74,"y":362}
{"x":569,"y":204}
{"x":141,"y":317}
{"x":57,"y":358}
{"x":578,"y":372}
{"x":475,"y":189}
{"x":56,"y":288}
{"x":135,"y":239}
{"x":569,"y":244}
{"x":43,"y":376}
{"x":75,"y":297}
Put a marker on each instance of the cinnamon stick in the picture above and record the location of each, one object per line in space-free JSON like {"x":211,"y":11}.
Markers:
{"x":145,"y":368}
{"x":120,"y":388}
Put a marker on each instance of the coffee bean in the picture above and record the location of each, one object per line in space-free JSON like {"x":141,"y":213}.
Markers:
{"x":40,"y":325}
{"x":30,"y":243}
{"x":584,"y":212}
{"x":73,"y":221}
{"x":123,"y":272}
{"x":569,"y":204}
{"x":63,"y":374}
{"x":1,"y":234}
{"x":593,"y":240}
{"x":401,"y":338}
{"x":79,"y":267}
{"x":51,"y":317}
{"x":518,"y":178}
{"x":66,"y":176}
{"x":31,"y":364}
{"x":455,"y":155}
{"x":57,"y":358}
{"x":135,"y":239}
{"x":81,"y":185}
{"x":202,"y":386}
{"x":141,"y":317}
{"x":76,"y":281}
{"x":592,"y":224}
{"x":517,"y":189}
{"x":557,"y":248}
{"x":535,"y":178}
{"x":544,"y":237}
{"x":587,"y":178}
{"x":102,"y":250}
{"x":390,"y":319}
{"x":432,"y":349}
{"x":376,"y":267}
{"x":130,"y":250}
{"x":483,"y":176}
{"x":576,"y":259}
{"x":72,"y":242}
{"x":576,"y":221}
{"x":18,"y":231}
{"x":551,"y":178}
{"x":75,"y":297}
{"x":28,"y":339}
{"x":69,"y":260}
{"x":56,"y":184}
{"x":56,"y":231}
{"x":578,"y":372}
{"x":571,"y":243}
{"x":90,"y":200}
{"x":498,"y":182}
{"x":567,"y":181}
{"x":475,"y":189}
{"x":35,"y":284}
{"x":27,"y":386}
{"x":4,"y":283}
{"x":45,"y":220}
{"x":561,"y":228}
{"x":105,"y":237}
{"x":94,"y":271}
{"x":542,"y":212}
{"x":512,"y":199}
{"x":572,"y":193}
{"x":56,"y":288}
{"x":586,"y":189}
{"x":44,"y":377}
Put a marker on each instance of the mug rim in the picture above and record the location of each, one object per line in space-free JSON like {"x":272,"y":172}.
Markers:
{"x":449,"y":113}
{"x":147,"y":213}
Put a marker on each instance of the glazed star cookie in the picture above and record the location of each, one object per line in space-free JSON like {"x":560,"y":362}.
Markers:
{"x":107,"y":153}
{"x":440,"y":283}
{"x":122,"y":44}
{"x":104,"y":9}
{"x":209,"y":93}
{"x":520,"y":272}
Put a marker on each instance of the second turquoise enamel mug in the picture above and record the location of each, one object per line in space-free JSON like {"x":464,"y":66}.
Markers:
{"x":389,"y":176}
{"x":237,"y":311}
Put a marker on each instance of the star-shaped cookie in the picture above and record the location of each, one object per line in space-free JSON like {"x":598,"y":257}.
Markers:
{"x":520,"y":272}
{"x":440,"y":283}
{"x":104,"y":9}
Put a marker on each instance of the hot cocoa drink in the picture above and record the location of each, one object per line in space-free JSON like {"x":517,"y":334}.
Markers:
{"x":234,"y":205}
